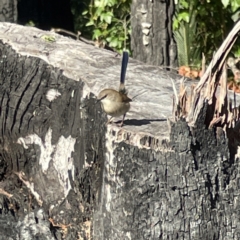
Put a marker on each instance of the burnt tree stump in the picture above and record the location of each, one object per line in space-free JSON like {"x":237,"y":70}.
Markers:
{"x":64,"y":174}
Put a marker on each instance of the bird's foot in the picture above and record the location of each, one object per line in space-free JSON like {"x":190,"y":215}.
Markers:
{"x":110,"y":120}
{"x":121,"y":124}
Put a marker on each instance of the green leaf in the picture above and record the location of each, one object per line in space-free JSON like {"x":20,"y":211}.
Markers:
{"x":107,"y":17}
{"x":30,"y":23}
{"x":48,"y":38}
{"x":175,"y":24}
{"x":96,"y":33}
{"x":85,"y":12}
{"x":237,"y":52}
{"x":235,"y":4}
{"x":111,"y":3}
{"x":113,"y":43}
{"x":97,"y":3}
{"x":183,"y":16}
{"x":109,"y":39}
{"x":184,"y":4}
{"x":99,"y":12}
{"x":90,"y":23}
{"x":225,"y":3}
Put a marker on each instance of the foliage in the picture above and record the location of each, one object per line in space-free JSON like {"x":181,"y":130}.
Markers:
{"x":80,"y":21}
{"x":199,"y":26}
{"x":31,"y":23}
{"x":107,"y":21}
{"x":205,"y":24}
{"x":185,"y":27}
{"x":234,"y":4}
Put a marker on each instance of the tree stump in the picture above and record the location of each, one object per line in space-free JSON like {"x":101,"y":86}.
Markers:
{"x":66,"y":175}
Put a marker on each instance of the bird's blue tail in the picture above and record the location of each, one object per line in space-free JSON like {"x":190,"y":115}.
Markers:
{"x":123,"y":71}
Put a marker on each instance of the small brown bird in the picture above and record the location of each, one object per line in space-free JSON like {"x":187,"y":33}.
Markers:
{"x":116,"y":103}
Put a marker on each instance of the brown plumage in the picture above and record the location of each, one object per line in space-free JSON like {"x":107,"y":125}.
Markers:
{"x":116,"y":103}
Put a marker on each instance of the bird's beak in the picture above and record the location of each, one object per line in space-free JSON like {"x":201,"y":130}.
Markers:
{"x":100,"y":99}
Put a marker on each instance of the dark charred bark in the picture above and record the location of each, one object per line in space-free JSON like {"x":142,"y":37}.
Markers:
{"x":35,"y":130}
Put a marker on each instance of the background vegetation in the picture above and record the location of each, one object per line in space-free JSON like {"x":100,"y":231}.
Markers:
{"x":199,"y":25}
{"x":105,"y":21}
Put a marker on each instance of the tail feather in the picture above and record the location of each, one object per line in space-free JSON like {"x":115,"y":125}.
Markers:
{"x":123,"y":71}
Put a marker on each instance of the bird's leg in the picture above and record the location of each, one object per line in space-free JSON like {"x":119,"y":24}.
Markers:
{"x":109,"y":120}
{"x":121,"y":124}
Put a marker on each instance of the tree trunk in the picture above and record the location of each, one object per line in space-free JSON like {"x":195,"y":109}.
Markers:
{"x":8,"y":11}
{"x":152,"y":38}
{"x":66,"y":175}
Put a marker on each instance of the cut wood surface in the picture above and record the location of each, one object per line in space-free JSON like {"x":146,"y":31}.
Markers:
{"x":99,"y":69}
